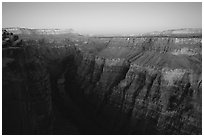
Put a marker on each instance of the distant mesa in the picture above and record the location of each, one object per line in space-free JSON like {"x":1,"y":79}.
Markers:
{"x":184,"y":31}
{"x":197,"y":32}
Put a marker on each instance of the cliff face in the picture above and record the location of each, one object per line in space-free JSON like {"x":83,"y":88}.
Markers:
{"x":154,"y":91}
{"x":131,"y":85}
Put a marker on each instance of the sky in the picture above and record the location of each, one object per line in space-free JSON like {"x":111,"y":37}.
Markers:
{"x":103,"y":18}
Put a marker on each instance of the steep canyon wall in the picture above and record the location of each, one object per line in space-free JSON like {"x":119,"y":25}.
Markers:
{"x":145,"y":85}
{"x":150,"y":91}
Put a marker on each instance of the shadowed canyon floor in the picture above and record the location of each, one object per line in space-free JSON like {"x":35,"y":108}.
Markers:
{"x":73,"y":84}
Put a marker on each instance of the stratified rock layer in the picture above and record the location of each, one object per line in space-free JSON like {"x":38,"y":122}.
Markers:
{"x":152,"y":91}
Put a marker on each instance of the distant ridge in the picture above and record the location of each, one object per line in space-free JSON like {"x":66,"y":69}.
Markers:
{"x":183,"y":31}
{"x":28,"y":31}
{"x":172,"y":32}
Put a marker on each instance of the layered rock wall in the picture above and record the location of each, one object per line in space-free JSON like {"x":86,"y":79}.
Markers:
{"x":144,"y":98}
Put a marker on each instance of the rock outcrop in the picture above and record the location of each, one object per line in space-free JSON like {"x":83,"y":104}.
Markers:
{"x":8,"y":39}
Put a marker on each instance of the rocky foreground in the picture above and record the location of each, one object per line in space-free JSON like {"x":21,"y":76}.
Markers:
{"x":149,"y":84}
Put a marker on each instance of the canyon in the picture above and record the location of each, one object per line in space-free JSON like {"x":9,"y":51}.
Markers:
{"x":60,"y":82}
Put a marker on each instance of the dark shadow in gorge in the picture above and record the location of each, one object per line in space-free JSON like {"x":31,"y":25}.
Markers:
{"x":68,"y":106}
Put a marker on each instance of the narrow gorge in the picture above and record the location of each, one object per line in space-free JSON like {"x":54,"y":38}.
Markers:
{"x":149,"y":84}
